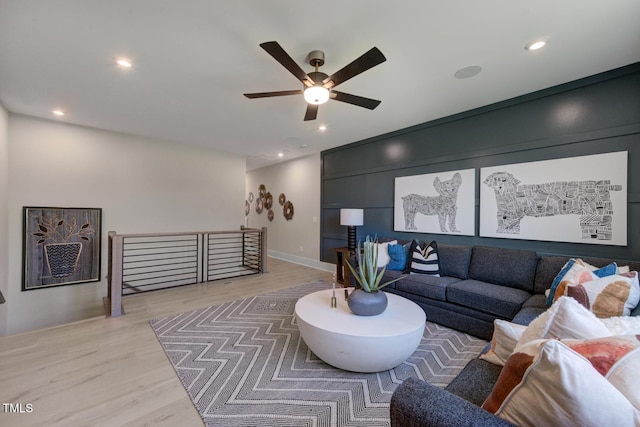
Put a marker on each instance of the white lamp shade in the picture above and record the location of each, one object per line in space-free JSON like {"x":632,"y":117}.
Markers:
{"x":316,"y":95}
{"x":351,"y":217}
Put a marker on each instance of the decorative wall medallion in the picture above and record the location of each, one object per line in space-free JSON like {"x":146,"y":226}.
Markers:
{"x":268,"y":200}
{"x":270,"y":215}
{"x":247,"y":207}
{"x":287,"y":211}
{"x":281,"y":199}
{"x":262,"y":190}
{"x":259,"y":206}
{"x":250,"y":197}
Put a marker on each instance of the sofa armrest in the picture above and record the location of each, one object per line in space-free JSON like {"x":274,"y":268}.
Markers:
{"x":417,"y":403}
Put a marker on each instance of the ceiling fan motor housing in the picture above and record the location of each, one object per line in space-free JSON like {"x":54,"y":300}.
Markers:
{"x":316,"y":58}
{"x":317,"y":76}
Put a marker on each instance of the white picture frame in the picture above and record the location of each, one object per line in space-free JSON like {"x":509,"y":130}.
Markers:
{"x":440,"y":203}
{"x":577,"y":199}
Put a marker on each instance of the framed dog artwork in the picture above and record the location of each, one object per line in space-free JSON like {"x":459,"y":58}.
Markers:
{"x":577,"y":199}
{"x":442,"y":203}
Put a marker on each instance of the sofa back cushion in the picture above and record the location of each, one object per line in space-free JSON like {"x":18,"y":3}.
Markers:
{"x":550,"y":265}
{"x":454,"y":260}
{"x":506,"y":267}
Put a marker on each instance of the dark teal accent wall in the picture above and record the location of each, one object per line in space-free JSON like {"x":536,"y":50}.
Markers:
{"x":598,"y":114}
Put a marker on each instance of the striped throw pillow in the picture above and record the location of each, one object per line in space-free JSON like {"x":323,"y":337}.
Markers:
{"x":424,"y":258}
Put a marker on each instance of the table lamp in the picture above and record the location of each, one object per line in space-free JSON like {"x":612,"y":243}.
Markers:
{"x":351,"y":218}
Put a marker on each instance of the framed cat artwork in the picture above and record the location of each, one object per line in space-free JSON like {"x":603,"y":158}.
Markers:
{"x":441,"y":203}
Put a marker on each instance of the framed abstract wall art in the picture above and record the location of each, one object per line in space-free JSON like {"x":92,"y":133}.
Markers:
{"x":577,"y":199}
{"x":442,"y":203}
{"x":61,"y":246}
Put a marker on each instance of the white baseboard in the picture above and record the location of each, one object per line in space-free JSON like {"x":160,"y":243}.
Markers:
{"x":318,"y":265}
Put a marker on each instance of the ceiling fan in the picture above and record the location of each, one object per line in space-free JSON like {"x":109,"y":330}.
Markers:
{"x":318,"y":87}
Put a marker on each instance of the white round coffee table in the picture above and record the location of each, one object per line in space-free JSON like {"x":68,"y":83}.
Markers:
{"x":359,"y":343}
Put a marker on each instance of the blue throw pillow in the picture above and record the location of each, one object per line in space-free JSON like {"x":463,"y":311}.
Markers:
{"x":398,"y":255}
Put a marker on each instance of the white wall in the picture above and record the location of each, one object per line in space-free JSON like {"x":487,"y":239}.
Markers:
{"x":297,"y":240}
{"x":142,"y":185}
{"x":4,"y":224}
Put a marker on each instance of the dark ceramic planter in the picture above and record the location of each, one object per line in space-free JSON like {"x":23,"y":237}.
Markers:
{"x":364,"y":303}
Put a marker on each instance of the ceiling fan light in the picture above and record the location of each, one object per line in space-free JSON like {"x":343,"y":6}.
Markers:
{"x":316,"y":95}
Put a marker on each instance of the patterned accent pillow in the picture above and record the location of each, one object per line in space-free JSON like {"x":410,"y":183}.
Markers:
{"x":398,"y":255}
{"x":570,"y":382}
{"x":424,"y":258}
{"x":608,"y":296}
{"x":576,"y":271}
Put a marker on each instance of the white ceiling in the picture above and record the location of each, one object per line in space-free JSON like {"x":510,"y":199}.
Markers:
{"x":193,"y":60}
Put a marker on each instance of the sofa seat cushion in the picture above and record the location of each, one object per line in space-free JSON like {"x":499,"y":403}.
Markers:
{"x":507,"y":267}
{"x":532,"y":308}
{"x":501,"y":301}
{"x":425,"y":285}
{"x":536,"y":301}
{"x":475,"y":382}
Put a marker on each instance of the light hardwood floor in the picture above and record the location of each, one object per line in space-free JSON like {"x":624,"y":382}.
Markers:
{"x":113,"y":372}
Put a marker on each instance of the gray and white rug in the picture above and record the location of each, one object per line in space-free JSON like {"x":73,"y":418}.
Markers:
{"x":243,"y":363}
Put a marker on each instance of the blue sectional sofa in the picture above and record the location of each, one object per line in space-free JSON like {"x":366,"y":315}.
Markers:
{"x":477,"y":285}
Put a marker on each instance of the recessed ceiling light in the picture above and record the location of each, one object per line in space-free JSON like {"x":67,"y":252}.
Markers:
{"x":322,"y":128}
{"x":58,"y":112}
{"x":123,"y":62}
{"x":535,"y":45}
{"x":281,"y":154}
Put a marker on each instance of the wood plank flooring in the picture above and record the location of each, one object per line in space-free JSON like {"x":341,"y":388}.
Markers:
{"x":113,"y":372}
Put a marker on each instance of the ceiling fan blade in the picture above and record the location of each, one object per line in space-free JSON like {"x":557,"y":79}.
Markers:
{"x":360,"y":101}
{"x":368,"y":60}
{"x":312,"y":112}
{"x":278,"y":53}
{"x":270,"y":94}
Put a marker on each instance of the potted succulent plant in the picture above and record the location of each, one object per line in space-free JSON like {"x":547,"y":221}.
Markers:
{"x":62,"y":254}
{"x":368,"y":299}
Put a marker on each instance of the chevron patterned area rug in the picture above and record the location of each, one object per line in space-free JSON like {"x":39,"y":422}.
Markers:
{"x":243,"y":363}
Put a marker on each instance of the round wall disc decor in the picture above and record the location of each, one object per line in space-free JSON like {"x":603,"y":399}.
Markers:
{"x":268,"y":200}
{"x":287,"y":210}
{"x":259,"y":205}
{"x":281,"y":199}
{"x":247,"y":207}
{"x":250,"y":197}
{"x":270,"y":215}
{"x":262,"y":191}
